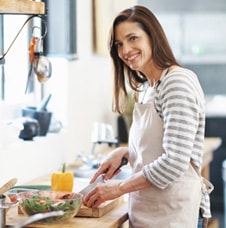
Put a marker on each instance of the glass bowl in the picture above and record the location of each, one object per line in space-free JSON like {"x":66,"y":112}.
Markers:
{"x":34,"y":202}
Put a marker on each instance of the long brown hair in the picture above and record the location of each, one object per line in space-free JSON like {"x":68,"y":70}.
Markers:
{"x":161,"y":52}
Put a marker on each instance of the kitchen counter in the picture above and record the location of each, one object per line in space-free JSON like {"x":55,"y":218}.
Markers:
{"x":118,"y":215}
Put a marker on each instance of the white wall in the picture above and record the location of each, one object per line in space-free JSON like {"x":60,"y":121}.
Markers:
{"x":81,"y":94}
{"x":88,"y":92}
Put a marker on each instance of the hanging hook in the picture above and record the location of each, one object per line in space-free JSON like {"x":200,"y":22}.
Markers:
{"x":37,"y":27}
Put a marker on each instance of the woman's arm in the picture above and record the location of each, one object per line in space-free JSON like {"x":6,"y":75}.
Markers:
{"x":179,"y":101}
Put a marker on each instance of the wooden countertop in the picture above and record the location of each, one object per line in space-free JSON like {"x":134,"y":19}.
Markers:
{"x":117,"y":216}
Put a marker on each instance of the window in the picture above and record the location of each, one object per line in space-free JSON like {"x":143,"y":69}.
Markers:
{"x":14,"y":70}
{"x":61,"y":22}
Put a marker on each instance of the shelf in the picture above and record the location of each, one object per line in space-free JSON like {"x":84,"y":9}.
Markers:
{"x":22,"y":7}
{"x":208,"y":59}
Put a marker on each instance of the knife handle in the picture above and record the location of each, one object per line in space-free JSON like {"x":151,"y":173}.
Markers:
{"x":123,"y":162}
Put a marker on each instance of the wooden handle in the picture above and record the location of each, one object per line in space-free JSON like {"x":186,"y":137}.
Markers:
{"x":8,"y":185}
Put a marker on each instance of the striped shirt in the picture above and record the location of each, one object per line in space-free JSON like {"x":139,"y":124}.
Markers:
{"x":179,"y":101}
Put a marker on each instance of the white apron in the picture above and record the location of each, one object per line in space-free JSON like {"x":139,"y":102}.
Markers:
{"x":177,"y":206}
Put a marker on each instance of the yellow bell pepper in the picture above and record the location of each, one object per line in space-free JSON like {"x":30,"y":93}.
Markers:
{"x":62,"y":181}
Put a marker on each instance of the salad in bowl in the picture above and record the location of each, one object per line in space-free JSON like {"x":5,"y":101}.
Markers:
{"x":35,"y":202}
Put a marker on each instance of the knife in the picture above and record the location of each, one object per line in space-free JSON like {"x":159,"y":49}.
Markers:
{"x":100,"y":179}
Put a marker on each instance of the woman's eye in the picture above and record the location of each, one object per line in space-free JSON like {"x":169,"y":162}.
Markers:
{"x":132,"y":38}
{"x":118,"y":45}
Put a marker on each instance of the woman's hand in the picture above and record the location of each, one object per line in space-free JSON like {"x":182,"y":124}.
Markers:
{"x":101,"y":193}
{"x":114,"y":189}
{"x":111,"y":162}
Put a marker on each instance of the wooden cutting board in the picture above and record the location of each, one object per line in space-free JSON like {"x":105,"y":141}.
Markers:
{"x":100,"y":211}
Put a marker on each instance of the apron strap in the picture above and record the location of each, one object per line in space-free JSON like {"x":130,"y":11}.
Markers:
{"x":207,"y":186}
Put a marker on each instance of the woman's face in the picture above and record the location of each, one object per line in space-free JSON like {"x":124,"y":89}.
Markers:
{"x":133,"y":46}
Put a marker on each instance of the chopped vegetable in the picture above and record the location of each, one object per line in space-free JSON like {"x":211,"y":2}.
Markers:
{"x":13,"y":198}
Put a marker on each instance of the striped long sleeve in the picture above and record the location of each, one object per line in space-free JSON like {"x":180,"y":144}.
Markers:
{"x":179,"y":101}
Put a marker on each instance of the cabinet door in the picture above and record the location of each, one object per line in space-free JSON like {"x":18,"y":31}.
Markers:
{"x":215,"y":127}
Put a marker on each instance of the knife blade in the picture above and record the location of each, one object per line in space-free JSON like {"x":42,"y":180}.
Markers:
{"x":100,"y":179}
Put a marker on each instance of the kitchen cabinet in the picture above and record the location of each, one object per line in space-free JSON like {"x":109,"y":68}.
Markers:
{"x":195,"y":30}
{"x":192,"y":39}
{"x":196,"y":33}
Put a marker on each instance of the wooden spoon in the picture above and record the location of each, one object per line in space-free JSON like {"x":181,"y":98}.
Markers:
{"x":8,"y":185}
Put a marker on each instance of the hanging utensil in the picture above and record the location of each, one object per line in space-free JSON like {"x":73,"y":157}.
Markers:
{"x":8,"y":185}
{"x":31,"y":59}
{"x":39,"y":64}
{"x":42,"y":68}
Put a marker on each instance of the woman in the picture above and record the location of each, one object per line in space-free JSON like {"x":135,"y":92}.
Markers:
{"x":167,"y":133}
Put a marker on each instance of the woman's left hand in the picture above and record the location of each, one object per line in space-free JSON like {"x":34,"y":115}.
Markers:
{"x":101,"y":193}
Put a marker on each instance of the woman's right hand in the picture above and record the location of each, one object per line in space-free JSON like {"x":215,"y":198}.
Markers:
{"x":110,"y":163}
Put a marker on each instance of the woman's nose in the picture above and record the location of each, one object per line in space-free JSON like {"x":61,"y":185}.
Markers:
{"x":125,"y":49}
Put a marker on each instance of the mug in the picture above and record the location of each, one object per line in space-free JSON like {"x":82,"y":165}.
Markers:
{"x":43,"y":117}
